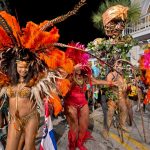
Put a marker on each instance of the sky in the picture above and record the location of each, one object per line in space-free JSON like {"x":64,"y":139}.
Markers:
{"x":78,"y":28}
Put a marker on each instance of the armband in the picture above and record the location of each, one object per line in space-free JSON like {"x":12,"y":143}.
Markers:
{"x":110,"y":84}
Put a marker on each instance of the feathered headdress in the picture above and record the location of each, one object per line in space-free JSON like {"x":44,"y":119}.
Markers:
{"x":144,"y":63}
{"x":35,"y":38}
{"x":79,"y":57}
{"x":35,"y":44}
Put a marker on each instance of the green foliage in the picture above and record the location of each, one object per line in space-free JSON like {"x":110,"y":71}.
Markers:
{"x":111,"y":50}
{"x":133,"y":13}
{"x":112,"y":47}
{"x":97,"y":20}
{"x":110,"y":95}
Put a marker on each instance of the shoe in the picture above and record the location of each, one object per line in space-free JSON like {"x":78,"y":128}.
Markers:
{"x":80,"y":145}
{"x":145,"y":112}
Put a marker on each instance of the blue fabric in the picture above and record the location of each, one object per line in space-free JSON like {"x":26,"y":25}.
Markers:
{"x":52,"y":136}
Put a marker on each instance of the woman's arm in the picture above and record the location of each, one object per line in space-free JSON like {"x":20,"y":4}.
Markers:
{"x":103,"y":82}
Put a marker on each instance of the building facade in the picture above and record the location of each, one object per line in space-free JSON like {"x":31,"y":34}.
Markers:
{"x":140,"y":30}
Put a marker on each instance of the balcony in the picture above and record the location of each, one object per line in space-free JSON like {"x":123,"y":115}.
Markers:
{"x":141,"y":29}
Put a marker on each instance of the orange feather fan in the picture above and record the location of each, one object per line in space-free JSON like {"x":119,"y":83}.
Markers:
{"x":4,"y":39}
{"x":56,"y":103}
{"x":57,"y":58}
{"x":31,"y":37}
{"x":63,"y":86}
{"x":3,"y":79}
{"x":34,"y":38}
{"x":12,"y":22}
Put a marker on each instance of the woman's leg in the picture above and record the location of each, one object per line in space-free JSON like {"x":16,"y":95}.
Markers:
{"x":21,"y":142}
{"x":123,"y":111}
{"x":72,"y":119}
{"x":111,"y":110}
{"x":83,"y":126}
{"x":31,"y":129}
{"x":130,"y":112}
{"x":13,"y":137}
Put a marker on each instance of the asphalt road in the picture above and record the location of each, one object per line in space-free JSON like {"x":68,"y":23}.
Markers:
{"x":133,"y":140}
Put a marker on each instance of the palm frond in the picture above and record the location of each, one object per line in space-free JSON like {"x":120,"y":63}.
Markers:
{"x":97,"y":20}
{"x":133,"y":13}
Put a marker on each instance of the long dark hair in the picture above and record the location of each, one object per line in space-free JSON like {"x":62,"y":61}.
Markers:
{"x":9,"y":65}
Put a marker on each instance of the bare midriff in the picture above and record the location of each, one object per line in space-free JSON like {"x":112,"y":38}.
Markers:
{"x":25,"y":106}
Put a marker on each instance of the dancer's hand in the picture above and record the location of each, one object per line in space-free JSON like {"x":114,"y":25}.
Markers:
{"x":77,"y":66}
{"x":111,"y":83}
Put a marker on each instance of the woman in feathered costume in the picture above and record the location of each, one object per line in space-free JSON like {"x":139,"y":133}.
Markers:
{"x":144,"y":63}
{"x":76,"y":105}
{"x":31,"y":65}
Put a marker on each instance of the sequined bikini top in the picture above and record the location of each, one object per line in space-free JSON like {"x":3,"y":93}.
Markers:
{"x":24,"y":92}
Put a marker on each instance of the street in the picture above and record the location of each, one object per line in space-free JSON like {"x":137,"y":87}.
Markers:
{"x":134,"y":140}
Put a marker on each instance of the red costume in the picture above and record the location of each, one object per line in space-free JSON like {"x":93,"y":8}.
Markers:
{"x":76,"y":98}
{"x":76,"y":105}
{"x":147,"y":98}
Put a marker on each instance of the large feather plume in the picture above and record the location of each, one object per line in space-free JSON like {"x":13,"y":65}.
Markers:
{"x":33,"y":38}
{"x":78,"y":56}
{"x":144,"y":63}
{"x":9,"y":29}
{"x":56,"y":58}
{"x":5,"y":40}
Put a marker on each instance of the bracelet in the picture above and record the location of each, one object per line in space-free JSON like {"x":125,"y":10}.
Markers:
{"x":110,"y":84}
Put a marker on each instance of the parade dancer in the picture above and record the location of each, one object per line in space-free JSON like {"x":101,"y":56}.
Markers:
{"x":112,"y":17}
{"x":75,"y":103}
{"x":33,"y":68}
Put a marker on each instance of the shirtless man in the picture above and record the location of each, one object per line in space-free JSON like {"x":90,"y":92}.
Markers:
{"x":118,"y":98}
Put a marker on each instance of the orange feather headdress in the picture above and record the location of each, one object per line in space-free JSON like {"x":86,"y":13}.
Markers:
{"x":35,"y":38}
{"x":38,"y":44}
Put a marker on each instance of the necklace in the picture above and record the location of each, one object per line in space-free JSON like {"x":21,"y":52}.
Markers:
{"x":78,"y":80}
{"x":21,"y":80}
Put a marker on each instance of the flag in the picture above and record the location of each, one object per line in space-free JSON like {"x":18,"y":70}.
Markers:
{"x":48,"y":141}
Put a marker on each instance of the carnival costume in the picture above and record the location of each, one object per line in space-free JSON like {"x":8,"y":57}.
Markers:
{"x":112,"y":16}
{"x":76,"y":105}
{"x":144,"y":63}
{"x":34,"y":47}
{"x":76,"y":96}
{"x":118,"y":100}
